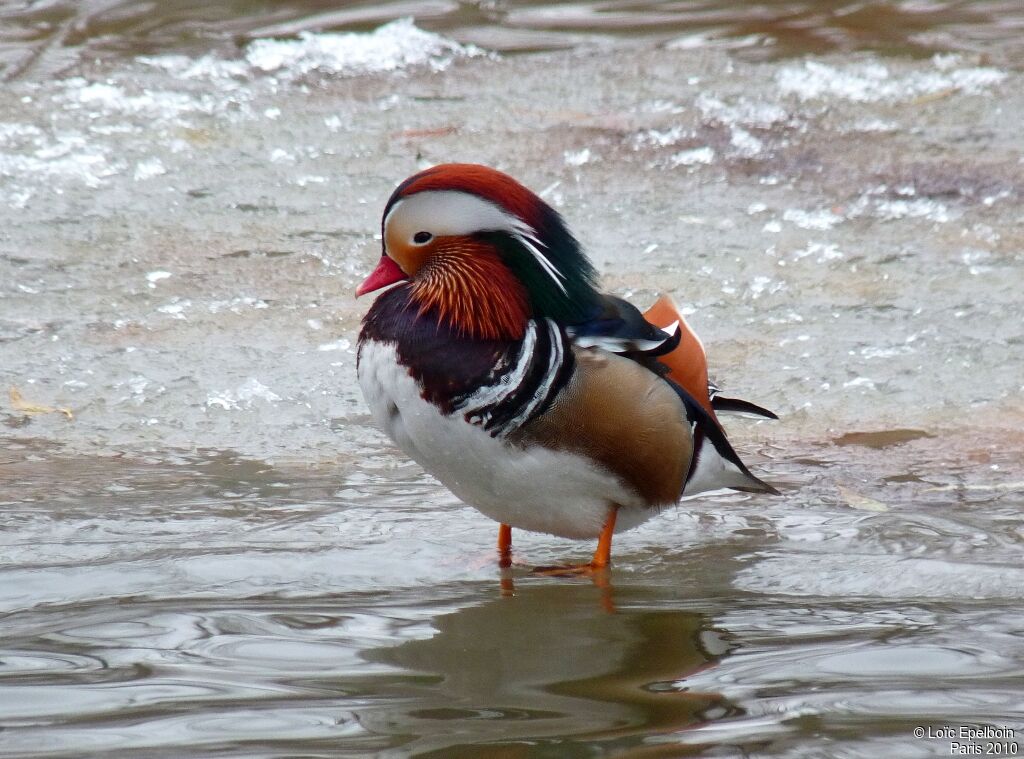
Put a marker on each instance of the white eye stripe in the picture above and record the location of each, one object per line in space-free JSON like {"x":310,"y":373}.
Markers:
{"x":453,"y":213}
{"x":446,"y":213}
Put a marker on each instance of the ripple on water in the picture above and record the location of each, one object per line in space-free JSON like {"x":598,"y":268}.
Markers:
{"x":863,"y":668}
{"x":184,"y":734}
{"x":143,"y":675}
{"x":35,"y":703}
{"x":24,"y":665}
{"x":909,"y":662}
{"x":271,"y":656}
{"x":278,"y":722}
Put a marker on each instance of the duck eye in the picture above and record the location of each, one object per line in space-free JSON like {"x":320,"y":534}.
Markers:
{"x":420,"y":238}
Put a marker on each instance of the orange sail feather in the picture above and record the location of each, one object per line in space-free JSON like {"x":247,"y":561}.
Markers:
{"x":687,"y":364}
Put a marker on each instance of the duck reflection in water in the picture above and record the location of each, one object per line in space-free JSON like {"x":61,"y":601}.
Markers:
{"x":549,"y":667}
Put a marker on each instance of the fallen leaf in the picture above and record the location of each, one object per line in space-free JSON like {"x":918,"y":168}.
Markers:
{"x":27,"y":407}
{"x":881,"y":438}
{"x":857,"y":501}
{"x":933,"y":96}
{"x":438,"y":132}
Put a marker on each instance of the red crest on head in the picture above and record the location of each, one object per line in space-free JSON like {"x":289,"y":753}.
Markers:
{"x":490,"y":184}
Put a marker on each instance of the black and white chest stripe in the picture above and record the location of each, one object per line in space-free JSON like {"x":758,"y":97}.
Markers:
{"x":523,"y":384}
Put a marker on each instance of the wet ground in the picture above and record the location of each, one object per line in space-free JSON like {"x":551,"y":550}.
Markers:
{"x":207,"y":549}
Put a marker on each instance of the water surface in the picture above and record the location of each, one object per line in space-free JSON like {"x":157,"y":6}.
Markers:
{"x":40,"y":39}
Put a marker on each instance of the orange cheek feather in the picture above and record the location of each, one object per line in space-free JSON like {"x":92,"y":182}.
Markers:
{"x":687,"y":364}
{"x":470,"y":287}
{"x":408,"y":257}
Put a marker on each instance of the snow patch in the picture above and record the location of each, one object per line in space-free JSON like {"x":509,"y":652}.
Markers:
{"x":176,"y":308}
{"x":155,"y":276}
{"x":69,"y":156}
{"x":149,"y":168}
{"x":874,"y":82}
{"x":695,"y":157}
{"x":905,"y":206}
{"x":237,"y":304}
{"x":11,"y":132}
{"x":914,"y":209}
{"x":748,"y":113}
{"x":104,"y":98}
{"x":337,"y":345}
{"x":660,"y":138}
{"x":578,"y":157}
{"x":393,"y":47}
{"x":746,"y":144}
{"x":761,"y":285}
{"x":243,"y":396}
{"x":821,"y":219}
{"x":824,"y":251}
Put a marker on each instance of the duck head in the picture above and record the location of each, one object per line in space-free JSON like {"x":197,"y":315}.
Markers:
{"x":483,"y":250}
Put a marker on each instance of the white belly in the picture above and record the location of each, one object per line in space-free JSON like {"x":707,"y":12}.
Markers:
{"x":530,"y":488}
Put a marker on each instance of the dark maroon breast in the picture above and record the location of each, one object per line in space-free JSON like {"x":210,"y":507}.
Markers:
{"x":447,"y":365}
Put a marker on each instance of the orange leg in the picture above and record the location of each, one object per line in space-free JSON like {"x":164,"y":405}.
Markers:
{"x":505,"y":545}
{"x":602,"y":556}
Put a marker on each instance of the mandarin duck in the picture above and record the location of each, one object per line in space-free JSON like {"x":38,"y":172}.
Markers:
{"x":498,"y":365}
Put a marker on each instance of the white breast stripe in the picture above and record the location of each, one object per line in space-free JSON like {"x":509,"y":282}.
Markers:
{"x":521,"y":385}
{"x":491,"y":395}
{"x":554,"y":364}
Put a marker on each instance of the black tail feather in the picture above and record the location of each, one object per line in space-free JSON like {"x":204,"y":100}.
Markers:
{"x":724,"y":405}
{"x":706,"y":425}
